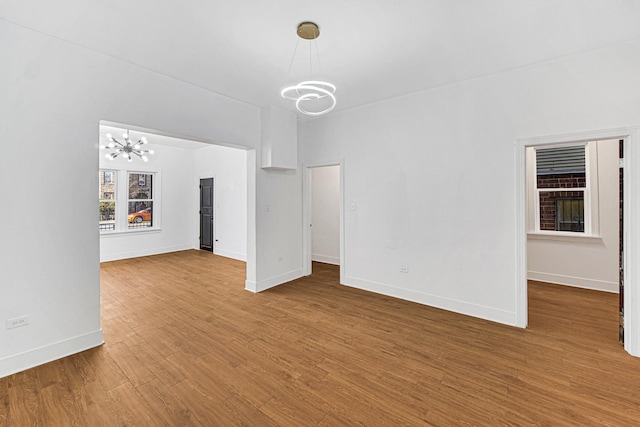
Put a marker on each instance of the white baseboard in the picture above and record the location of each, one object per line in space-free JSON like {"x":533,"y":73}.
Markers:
{"x":230,"y":254}
{"x":39,"y":356}
{"x":251,"y":286}
{"x":456,"y":306}
{"x":142,"y":252}
{"x":325,"y":259}
{"x":263,"y":285}
{"x":577,"y":282}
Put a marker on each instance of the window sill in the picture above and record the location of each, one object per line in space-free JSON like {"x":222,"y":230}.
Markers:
{"x":130,"y":232}
{"x":564,"y":237}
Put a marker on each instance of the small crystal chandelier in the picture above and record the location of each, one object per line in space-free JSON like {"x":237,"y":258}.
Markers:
{"x":127,"y":148}
{"x":312,"y":97}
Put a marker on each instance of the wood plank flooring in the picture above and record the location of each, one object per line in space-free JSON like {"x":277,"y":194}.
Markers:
{"x":185,"y":344}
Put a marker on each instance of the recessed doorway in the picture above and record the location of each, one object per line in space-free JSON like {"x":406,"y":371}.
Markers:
{"x":323,"y":212}
{"x":631,"y":233}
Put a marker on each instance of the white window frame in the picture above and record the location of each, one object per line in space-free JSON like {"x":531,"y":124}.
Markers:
{"x":122,"y":193}
{"x":591,"y":202}
{"x":142,"y":181}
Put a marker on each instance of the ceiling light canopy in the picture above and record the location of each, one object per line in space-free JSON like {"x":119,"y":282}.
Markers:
{"x":126,"y":149}
{"x":313,"y":97}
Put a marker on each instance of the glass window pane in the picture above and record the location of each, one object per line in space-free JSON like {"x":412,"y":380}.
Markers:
{"x":548,"y":210}
{"x":140,"y":214}
{"x":140,"y":186}
{"x":560,"y":160}
{"x":570,"y":212}
{"x":107,"y":219}
{"x":107,"y":190}
{"x":561,"y":167}
{"x":568,"y":180}
{"x":107,"y":197}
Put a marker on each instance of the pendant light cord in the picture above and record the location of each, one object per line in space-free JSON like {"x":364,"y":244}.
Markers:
{"x":295,"y":49}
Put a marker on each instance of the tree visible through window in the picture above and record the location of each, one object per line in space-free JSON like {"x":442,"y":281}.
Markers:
{"x":107,"y":197}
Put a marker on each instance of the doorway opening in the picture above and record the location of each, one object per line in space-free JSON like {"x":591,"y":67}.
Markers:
{"x":528,"y":225}
{"x":323,"y":216}
{"x":174,"y":224}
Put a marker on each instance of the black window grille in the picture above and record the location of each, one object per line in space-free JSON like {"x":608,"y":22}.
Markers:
{"x":570,"y":214}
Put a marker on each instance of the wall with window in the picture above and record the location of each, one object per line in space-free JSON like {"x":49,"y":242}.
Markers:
{"x":54,"y":95}
{"x":430,"y":176}
{"x":228,"y":167}
{"x":145,"y":229}
{"x":582,"y":259}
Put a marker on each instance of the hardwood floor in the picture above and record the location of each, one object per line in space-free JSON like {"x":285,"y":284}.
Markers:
{"x":185,"y":344}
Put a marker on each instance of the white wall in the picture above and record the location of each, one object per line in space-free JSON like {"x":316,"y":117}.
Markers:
{"x":325,"y":214}
{"x":432,"y":174}
{"x":279,"y":227}
{"x":228,"y":167}
{"x":52,"y":97}
{"x":587,"y":263}
{"x":173,"y":205}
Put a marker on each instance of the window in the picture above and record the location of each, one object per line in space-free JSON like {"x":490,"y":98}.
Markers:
{"x":570,"y":214}
{"x":562,"y":177}
{"x":560,"y":185}
{"x":137,"y":189}
{"x":107,"y":197}
{"x":108,"y":177}
{"x":140,"y":200}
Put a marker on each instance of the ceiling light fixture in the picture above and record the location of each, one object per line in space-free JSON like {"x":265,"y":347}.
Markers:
{"x":126,"y":148}
{"x":312,"y":97}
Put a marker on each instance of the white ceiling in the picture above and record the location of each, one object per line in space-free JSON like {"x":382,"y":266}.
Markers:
{"x":371,"y":49}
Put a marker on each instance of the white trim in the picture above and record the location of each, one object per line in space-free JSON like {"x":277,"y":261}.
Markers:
{"x":457,"y":306}
{"x":306,"y":215}
{"x":589,"y":191}
{"x":130,"y":231}
{"x":564,"y":237}
{"x":325,"y":259}
{"x":576,"y":282}
{"x":631,"y":236}
{"x":252,"y":244}
{"x":251,"y":286}
{"x":144,"y":252}
{"x":48,"y":353}
{"x":522,"y":303}
{"x":230,"y":254}
{"x":263,"y":285}
{"x":631,"y":239}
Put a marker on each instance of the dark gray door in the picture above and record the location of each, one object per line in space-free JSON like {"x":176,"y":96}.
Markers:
{"x":206,"y":214}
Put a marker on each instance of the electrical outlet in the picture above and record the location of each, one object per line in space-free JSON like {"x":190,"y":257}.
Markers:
{"x":17,"y":322}
{"x":404,"y":268}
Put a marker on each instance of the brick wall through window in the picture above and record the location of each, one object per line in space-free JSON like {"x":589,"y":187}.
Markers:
{"x":548,"y":199}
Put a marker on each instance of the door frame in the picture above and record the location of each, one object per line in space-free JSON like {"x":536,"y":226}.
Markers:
{"x":213,"y":213}
{"x":306,"y":215}
{"x":631,"y":224}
